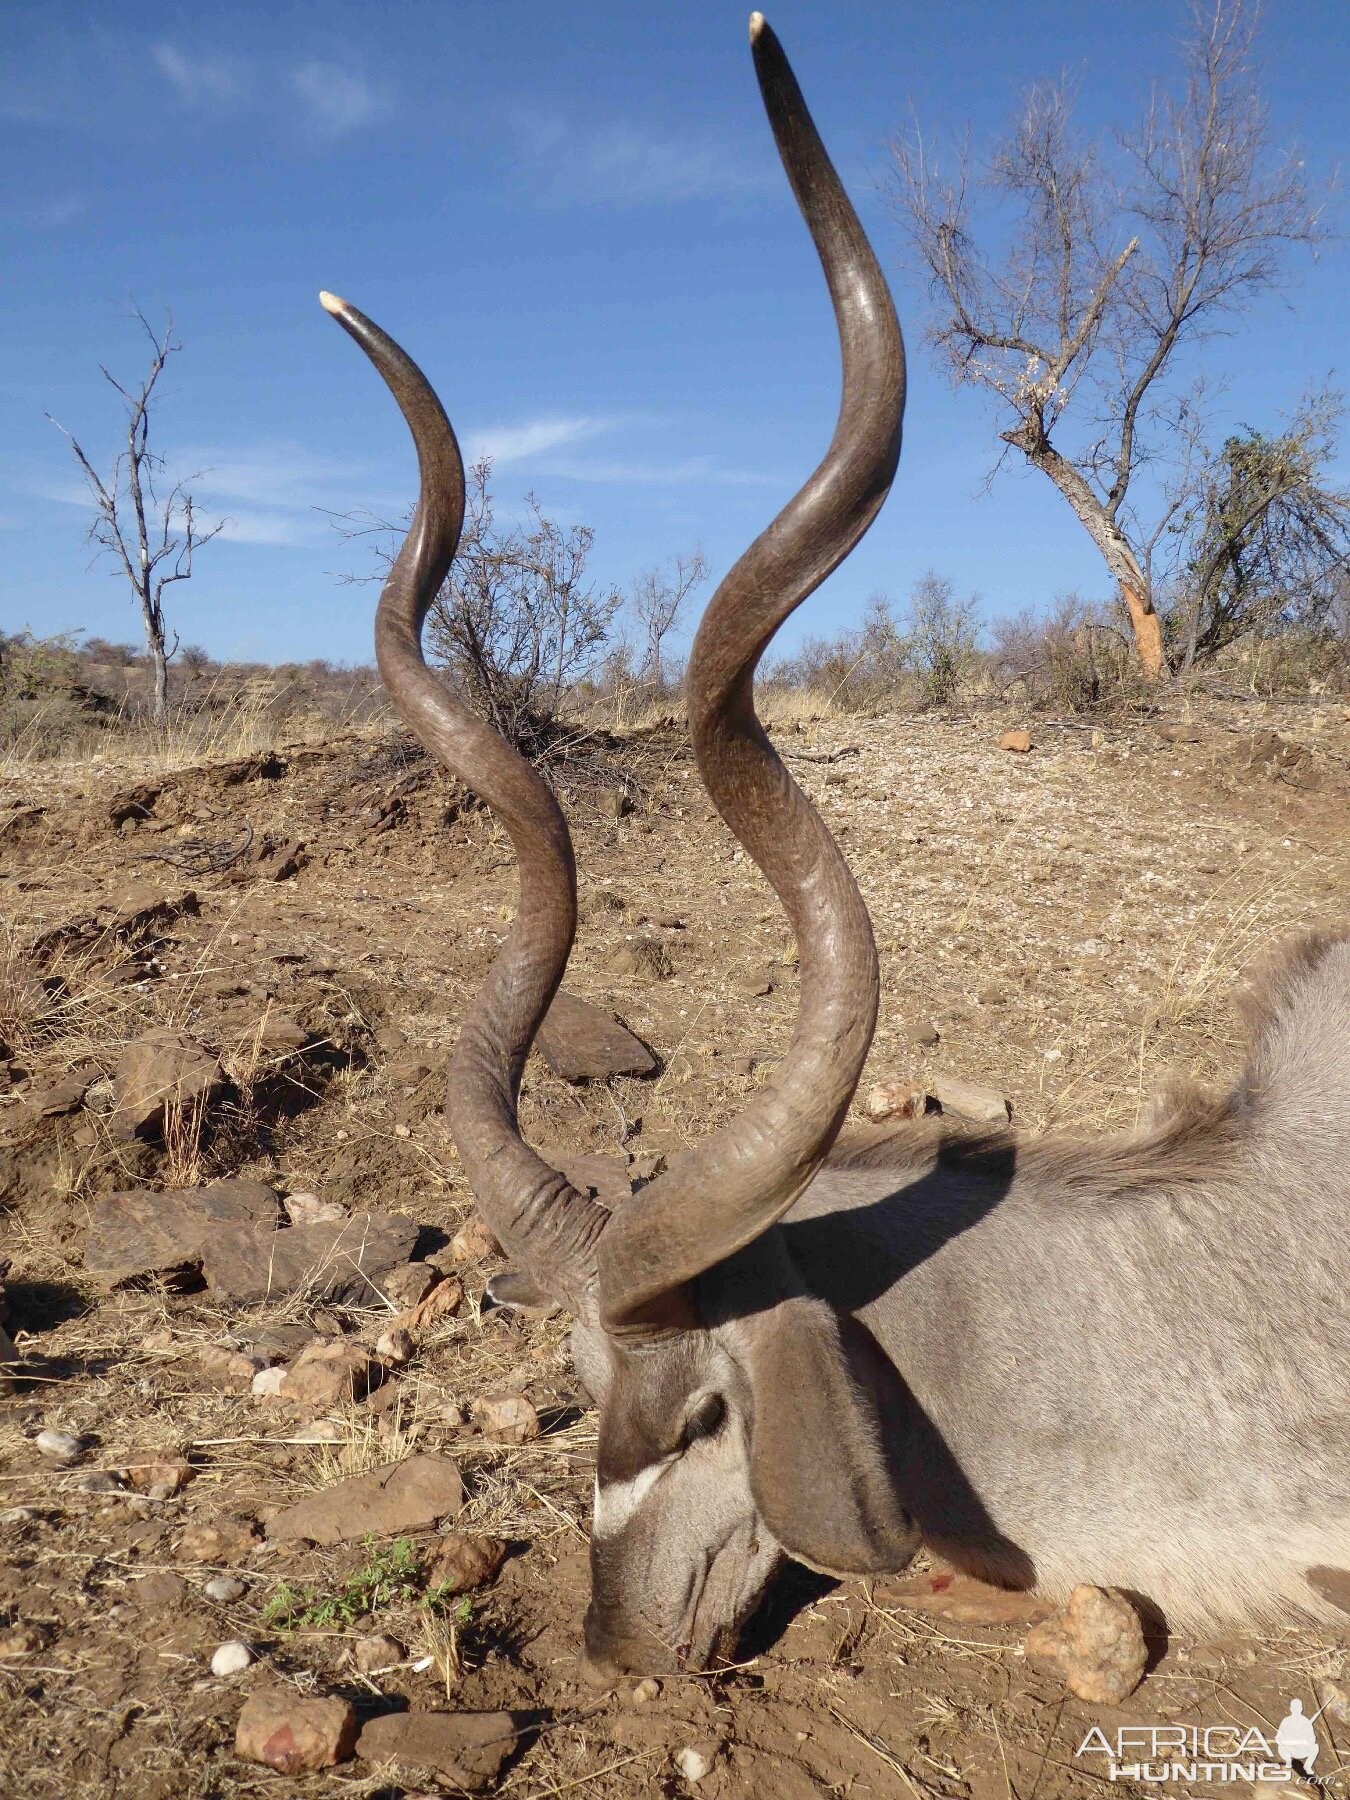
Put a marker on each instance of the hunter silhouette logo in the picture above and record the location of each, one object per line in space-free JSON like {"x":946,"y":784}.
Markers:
{"x":1219,"y":1753}
{"x":1296,"y":1740}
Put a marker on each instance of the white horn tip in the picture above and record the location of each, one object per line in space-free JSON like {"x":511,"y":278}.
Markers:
{"x":331,"y":303}
{"x":756,"y":25}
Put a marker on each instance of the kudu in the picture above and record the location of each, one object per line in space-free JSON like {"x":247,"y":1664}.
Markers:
{"x":1124,"y":1362}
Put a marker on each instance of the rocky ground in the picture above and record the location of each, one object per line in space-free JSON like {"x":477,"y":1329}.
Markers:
{"x":272,"y":1486}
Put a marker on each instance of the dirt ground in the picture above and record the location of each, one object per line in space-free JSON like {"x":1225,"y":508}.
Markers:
{"x":1072,"y":923}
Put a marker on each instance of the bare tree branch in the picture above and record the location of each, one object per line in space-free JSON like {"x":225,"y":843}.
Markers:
{"x":1114,"y":263}
{"x":143,"y":532}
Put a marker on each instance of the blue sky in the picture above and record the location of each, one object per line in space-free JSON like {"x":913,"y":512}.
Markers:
{"x":574,"y":218}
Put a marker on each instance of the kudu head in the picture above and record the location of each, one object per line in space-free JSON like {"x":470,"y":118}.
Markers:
{"x":733,"y":1426}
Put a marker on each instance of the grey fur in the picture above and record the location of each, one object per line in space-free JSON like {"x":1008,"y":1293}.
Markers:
{"x":1124,"y":1362}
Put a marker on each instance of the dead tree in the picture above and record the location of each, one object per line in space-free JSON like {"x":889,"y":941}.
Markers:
{"x":659,"y":595}
{"x":1112,"y":267}
{"x":153,"y":536}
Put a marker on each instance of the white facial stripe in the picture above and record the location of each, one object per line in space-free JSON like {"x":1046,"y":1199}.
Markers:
{"x":617,"y":1501}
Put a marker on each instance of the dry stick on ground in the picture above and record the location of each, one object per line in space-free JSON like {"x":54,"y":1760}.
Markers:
{"x":155,"y":545}
{"x":1212,"y":206}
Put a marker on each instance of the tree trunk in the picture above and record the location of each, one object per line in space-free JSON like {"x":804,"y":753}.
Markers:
{"x":1111,"y":541}
{"x":154,"y":643}
{"x":1147,"y":628}
{"x":161,"y":663}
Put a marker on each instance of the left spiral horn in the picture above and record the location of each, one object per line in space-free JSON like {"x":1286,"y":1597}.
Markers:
{"x":540,"y":1218}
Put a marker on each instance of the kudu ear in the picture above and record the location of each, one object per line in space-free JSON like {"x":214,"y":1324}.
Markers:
{"x":817,"y":1468}
{"x":512,"y":1290}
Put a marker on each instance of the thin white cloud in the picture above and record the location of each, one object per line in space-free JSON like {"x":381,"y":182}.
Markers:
{"x":274,"y":493}
{"x":280,"y":530}
{"x":198,"y":79}
{"x":334,"y":99}
{"x":504,"y":444}
{"x":49,"y":215}
{"x":274,"y":474}
{"x":633,"y":162}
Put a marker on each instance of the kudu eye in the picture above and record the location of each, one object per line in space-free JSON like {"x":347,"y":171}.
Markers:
{"x":705,"y":1419}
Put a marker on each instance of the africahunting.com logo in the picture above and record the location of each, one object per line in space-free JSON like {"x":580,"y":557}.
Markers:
{"x":1218,"y":1753}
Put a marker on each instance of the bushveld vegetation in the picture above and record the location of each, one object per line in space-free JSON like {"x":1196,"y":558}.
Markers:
{"x":63,"y":697}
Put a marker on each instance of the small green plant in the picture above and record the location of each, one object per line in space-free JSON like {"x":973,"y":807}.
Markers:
{"x":390,"y":1576}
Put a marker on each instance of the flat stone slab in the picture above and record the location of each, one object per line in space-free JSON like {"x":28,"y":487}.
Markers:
{"x":339,"y":1261}
{"x":583,"y":1042}
{"x":157,"y":1072}
{"x":143,"y":1233}
{"x":403,"y":1496}
{"x":467,"y":1749}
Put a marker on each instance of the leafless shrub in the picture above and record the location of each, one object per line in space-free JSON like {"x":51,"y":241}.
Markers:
{"x":517,"y":622}
{"x":941,"y":639}
{"x":1072,"y":659}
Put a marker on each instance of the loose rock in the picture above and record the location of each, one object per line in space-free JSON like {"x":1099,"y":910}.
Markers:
{"x":970,"y":1101}
{"x":473,"y":1242}
{"x":394,"y":1346}
{"x":461,"y":1563}
{"x":320,"y":1431}
{"x":443,"y":1302}
{"x":162,"y":1070}
{"x":467,"y":1749}
{"x":1018,"y":741}
{"x":376,"y":1653}
{"x":1096,"y":1644}
{"x":600,"y":1177}
{"x":922,"y":1034}
{"x":340,"y":1262}
{"x":159,"y":1478}
{"x":294,"y":1735}
{"x":506,"y":1418}
{"x":695,"y":1761}
{"x":279,"y":1034}
{"x":643,"y":959}
{"x":404,"y":1496}
{"x":158,"y":1593}
{"x":64,"y":1096}
{"x":139,"y":1233}
{"x":406,"y":1284}
{"x":895,"y":1100}
{"x":308,"y":1209}
{"x":582,"y":1042}
{"x":228,"y":1369}
{"x":268,"y":1383}
{"x":326,"y":1374}
{"x":232,"y":1658}
{"x":60,"y":1447}
{"x":225,"y":1589}
{"x":223,"y":1541}
{"x":98,"y":1481}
